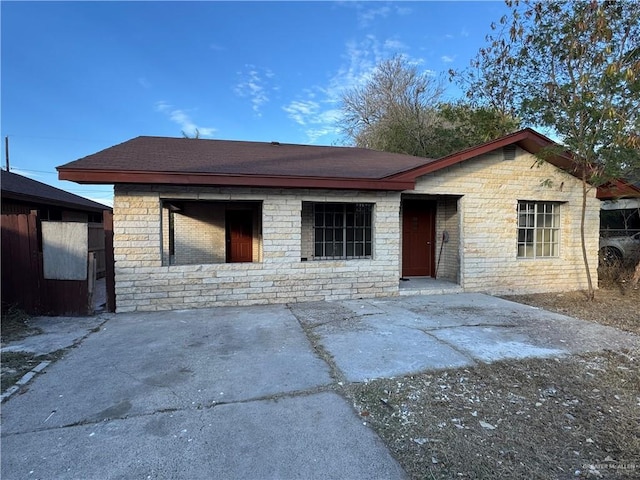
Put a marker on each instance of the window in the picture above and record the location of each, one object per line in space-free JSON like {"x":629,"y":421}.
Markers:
{"x":342,"y":230}
{"x":538,"y":229}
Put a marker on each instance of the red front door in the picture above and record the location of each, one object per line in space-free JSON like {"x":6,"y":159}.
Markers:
{"x":418,"y":238}
{"x":239,"y":236}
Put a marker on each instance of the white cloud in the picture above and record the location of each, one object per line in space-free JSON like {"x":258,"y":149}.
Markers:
{"x":394,"y":44}
{"x":302,"y":112}
{"x":317,"y":109}
{"x":254,"y":85}
{"x":464,"y":32}
{"x":216,"y":47}
{"x":183,"y":119}
{"x":366,"y":16}
{"x":369,"y":12}
{"x":144,"y":83}
{"x":447,"y":59}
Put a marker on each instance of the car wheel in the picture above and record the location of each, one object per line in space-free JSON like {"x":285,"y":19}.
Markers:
{"x":610,"y":256}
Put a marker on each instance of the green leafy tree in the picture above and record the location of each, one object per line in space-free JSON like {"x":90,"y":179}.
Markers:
{"x":461,"y":125}
{"x":574,"y":68}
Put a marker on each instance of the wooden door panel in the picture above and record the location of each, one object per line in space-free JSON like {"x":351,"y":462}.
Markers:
{"x":418,"y":239}
{"x":239,"y":236}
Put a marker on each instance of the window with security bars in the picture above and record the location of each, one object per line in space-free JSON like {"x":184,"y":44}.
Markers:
{"x":538,"y":229}
{"x":342,"y":230}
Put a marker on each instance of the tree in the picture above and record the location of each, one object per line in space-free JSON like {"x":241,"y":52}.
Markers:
{"x":400,"y":110}
{"x":394,"y":110}
{"x":461,"y":125}
{"x":573,"y":67}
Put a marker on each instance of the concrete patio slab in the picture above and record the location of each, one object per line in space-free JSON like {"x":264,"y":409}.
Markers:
{"x":371,"y":349}
{"x":375,"y":338}
{"x":313,"y":436}
{"x":139,"y":364}
{"x":57,"y":333}
{"x":490,"y":344}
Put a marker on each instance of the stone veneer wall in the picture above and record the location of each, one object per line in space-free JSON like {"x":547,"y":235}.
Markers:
{"x":448,"y":255}
{"x":476,"y":201}
{"x":490,"y":188}
{"x":144,"y":284}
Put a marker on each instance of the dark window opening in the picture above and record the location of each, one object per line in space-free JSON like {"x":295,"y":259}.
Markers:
{"x":342,"y":230}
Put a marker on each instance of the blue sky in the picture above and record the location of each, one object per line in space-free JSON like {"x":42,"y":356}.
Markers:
{"x":78,"y":77}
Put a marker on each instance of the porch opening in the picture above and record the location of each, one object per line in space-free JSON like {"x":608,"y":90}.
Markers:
{"x":430,"y":229}
{"x":204,"y":232}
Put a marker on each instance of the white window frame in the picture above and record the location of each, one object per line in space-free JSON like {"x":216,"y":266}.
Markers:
{"x":538,"y":234}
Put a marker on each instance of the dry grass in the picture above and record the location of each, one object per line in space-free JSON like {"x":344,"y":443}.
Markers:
{"x":575,"y":417}
{"x":615,"y":303}
{"x":568,"y":418}
{"x":15,"y":325}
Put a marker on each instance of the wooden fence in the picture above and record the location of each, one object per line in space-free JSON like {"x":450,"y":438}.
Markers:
{"x":23,"y":282}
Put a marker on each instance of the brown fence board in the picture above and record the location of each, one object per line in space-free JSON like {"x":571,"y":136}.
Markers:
{"x":23,"y":283}
{"x":21,"y":265}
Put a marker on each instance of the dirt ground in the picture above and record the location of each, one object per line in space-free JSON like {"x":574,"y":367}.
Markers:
{"x":616,"y":306}
{"x":572,"y":417}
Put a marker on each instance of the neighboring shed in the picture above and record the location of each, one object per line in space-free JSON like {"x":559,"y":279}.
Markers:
{"x":35,"y":276}
{"x":201,"y":222}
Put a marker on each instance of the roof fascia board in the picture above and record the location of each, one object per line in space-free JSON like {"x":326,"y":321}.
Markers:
{"x":202,"y":179}
{"x":527,"y":139}
{"x":617,"y":188}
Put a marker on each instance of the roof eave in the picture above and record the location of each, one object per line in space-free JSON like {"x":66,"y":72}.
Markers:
{"x":24,"y":197}
{"x":616,"y":189}
{"x":527,"y":139}
{"x":207,"y":179}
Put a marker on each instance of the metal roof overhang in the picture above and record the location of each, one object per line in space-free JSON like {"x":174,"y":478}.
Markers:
{"x":86,"y":176}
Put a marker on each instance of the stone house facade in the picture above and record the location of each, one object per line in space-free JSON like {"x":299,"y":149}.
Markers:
{"x":286,"y":228}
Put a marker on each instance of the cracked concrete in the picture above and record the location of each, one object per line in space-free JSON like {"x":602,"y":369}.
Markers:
{"x":257,"y":392}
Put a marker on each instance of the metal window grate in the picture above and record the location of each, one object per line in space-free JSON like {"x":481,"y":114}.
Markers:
{"x":342,"y":230}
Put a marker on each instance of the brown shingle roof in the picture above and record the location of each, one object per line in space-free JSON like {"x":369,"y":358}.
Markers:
{"x":162,"y":154}
{"x":25,"y":189}
{"x":236,"y":163}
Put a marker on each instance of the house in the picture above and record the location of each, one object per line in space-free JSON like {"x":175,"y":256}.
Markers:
{"x":26,"y":205}
{"x":199,"y":223}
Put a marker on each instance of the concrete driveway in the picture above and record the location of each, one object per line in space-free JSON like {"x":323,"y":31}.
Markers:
{"x":257,"y":392}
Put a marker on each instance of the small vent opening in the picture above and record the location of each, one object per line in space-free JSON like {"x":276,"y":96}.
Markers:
{"x":509,"y":152}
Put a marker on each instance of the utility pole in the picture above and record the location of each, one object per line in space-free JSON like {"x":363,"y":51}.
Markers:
{"x":6,"y":150}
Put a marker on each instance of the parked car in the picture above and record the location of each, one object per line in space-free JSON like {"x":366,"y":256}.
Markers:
{"x":620,"y":249}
